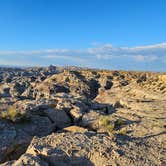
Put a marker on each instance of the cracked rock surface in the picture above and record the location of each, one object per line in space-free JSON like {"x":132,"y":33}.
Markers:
{"x":81,"y":117}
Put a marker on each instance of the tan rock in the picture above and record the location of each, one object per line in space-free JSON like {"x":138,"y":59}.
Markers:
{"x":76,"y":113}
{"x":75,"y":129}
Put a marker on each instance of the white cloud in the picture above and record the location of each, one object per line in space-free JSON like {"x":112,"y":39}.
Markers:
{"x":33,"y":52}
{"x":107,"y":51}
{"x":98,"y":56}
{"x":155,"y":46}
{"x":139,"y":57}
{"x":104,"y":56}
{"x":65,"y":57}
{"x":145,"y":58}
{"x":17,"y":63}
{"x":141,"y":53}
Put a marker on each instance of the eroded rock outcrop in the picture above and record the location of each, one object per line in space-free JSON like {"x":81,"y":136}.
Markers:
{"x":72,"y":116}
{"x":87,"y":149}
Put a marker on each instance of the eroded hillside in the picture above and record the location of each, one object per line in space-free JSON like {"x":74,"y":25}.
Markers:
{"x":56,"y":116}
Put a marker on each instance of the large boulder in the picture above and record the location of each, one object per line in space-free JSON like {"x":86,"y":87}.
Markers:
{"x":58,"y":117}
{"x":15,"y":137}
{"x":67,"y":149}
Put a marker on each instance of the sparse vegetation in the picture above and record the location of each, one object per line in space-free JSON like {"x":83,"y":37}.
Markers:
{"x":122,"y":132}
{"x":119,"y":122}
{"x":13,"y":115}
{"x":112,"y":126}
{"x":104,"y":121}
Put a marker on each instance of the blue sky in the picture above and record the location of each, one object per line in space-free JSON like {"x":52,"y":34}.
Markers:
{"x":112,"y":34}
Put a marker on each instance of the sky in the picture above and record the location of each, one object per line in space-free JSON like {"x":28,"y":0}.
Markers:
{"x":108,"y":34}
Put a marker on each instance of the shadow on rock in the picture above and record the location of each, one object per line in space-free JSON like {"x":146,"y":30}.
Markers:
{"x":67,"y":161}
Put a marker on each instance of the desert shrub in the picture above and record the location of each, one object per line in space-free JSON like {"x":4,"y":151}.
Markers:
{"x":106,"y":124}
{"x":9,"y":114}
{"x":112,"y":127}
{"x":119,"y":122}
{"x":13,"y":115}
{"x":122,"y":132}
{"x":104,"y":121}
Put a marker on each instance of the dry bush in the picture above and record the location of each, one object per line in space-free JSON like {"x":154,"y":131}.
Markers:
{"x":112,"y":127}
{"x":13,"y":115}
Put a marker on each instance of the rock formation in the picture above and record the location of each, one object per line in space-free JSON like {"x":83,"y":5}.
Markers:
{"x":57,"y":116}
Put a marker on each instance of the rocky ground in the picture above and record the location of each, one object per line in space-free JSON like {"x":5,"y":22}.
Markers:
{"x":81,"y":117}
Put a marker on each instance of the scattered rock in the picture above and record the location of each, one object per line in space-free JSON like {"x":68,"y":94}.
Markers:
{"x":68,"y":104}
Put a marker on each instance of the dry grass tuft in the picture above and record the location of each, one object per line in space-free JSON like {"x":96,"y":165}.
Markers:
{"x":13,"y":115}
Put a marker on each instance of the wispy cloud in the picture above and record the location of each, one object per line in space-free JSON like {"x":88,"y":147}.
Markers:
{"x":64,"y":57}
{"x":142,"y":58}
{"x":33,"y":52}
{"x":105,"y":56}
